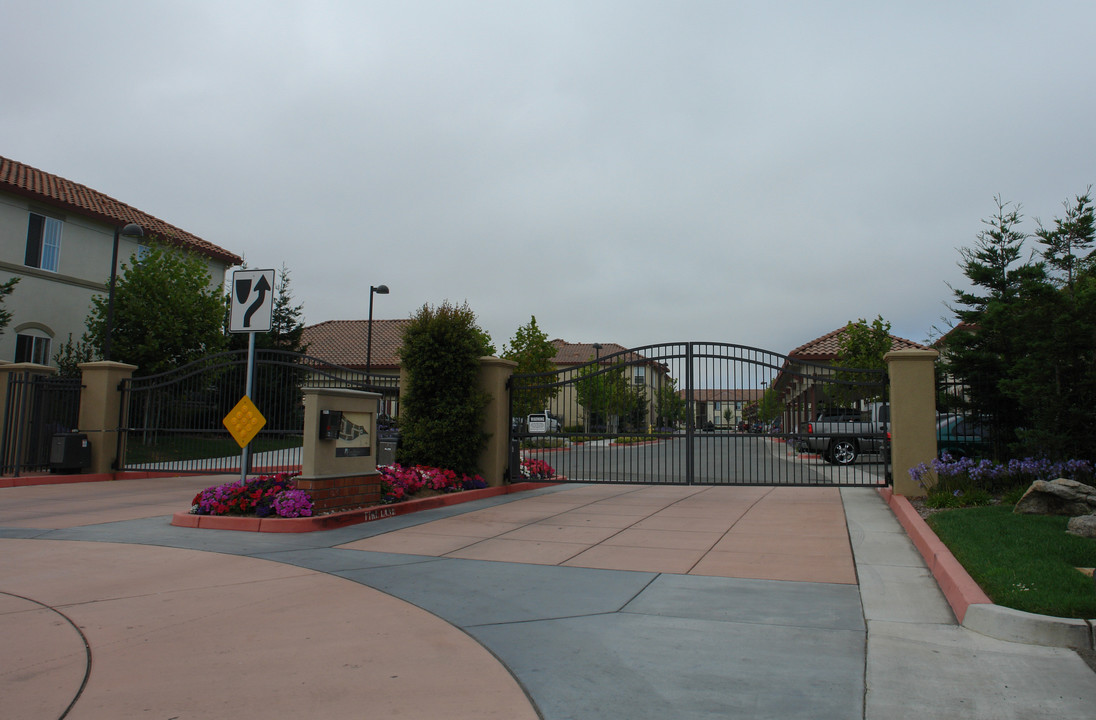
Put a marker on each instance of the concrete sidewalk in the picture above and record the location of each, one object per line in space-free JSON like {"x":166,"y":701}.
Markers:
{"x":570,"y":602}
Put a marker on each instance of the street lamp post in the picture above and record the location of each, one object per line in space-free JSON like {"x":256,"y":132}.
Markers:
{"x":597,"y":366}
{"x":379,"y":290}
{"x":132,"y":230}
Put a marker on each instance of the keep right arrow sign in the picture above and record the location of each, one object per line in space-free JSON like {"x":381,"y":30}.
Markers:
{"x":252,"y":306}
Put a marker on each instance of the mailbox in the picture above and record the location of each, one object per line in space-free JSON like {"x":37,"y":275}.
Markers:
{"x":330,"y":422}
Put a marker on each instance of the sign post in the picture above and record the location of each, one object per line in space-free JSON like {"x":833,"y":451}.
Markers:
{"x":251,"y":311}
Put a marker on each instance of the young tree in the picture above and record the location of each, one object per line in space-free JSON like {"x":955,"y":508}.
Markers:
{"x":770,"y":406}
{"x":70,"y":354}
{"x":602,"y":392}
{"x":1068,"y":238}
{"x":5,"y":314}
{"x":442,"y":408}
{"x":533,"y":352}
{"x":166,"y":314}
{"x":861,"y":346}
{"x":669,"y":405}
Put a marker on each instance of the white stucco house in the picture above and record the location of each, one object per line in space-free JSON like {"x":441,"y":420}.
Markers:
{"x":57,"y":237}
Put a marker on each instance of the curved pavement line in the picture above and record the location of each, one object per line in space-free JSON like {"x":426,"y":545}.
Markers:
{"x":24,"y":647}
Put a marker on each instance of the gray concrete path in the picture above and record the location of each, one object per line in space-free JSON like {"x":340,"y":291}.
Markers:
{"x":550,"y":637}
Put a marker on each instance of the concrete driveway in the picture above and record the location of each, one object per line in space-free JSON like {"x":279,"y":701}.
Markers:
{"x":571,"y":602}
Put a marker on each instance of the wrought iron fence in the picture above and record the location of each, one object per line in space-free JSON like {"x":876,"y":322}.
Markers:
{"x":173,"y":420}
{"x":974,"y":418}
{"x":703,"y":413}
{"x":39,"y":407}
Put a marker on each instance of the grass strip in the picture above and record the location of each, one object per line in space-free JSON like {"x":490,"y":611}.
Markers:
{"x":1024,"y":562}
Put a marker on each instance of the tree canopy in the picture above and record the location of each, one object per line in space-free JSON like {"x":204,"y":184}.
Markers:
{"x":442,"y":409}
{"x":533,"y":353}
{"x":1026,"y":351}
{"x":5,"y":315}
{"x":862,"y":346}
{"x":166,"y":311}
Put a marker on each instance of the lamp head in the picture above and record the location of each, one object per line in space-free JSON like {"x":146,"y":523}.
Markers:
{"x":379,"y":289}
{"x":133,"y":230}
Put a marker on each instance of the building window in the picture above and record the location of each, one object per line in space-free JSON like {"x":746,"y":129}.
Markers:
{"x":717,"y":408}
{"x":32,"y":349}
{"x":640,"y":375}
{"x":43,"y":242}
{"x":142,"y":253}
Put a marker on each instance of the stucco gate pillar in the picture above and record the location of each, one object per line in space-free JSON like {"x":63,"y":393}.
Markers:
{"x":494,"y":373}
{"x":912,"y":415}
{"x":101,"y":411}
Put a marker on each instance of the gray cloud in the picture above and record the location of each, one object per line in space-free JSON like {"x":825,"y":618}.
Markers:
{"x":628,"y":172}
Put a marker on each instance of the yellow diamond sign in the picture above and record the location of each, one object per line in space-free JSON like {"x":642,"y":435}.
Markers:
{"x":244,"y":421}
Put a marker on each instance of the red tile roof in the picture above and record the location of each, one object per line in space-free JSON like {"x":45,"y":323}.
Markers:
{"x":343,"y":342}
{"x":826,"y":347}
{"x":579,"y":353}
{"x":20,"y":179}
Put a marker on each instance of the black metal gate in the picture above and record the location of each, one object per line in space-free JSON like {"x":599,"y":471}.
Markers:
{"x":173,"y":421}
{"x":38,"y":408}
{"x":702,"y":413}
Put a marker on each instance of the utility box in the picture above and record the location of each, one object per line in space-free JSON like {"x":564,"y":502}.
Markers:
{"x":386,"y":455}
{"x":69,"y":452}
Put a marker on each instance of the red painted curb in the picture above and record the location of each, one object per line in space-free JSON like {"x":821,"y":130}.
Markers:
{"x":32,"y":480}
{"x":346,"y":517}
{"x":958,"y":587}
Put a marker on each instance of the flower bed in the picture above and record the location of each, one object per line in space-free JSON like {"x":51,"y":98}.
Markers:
{"x":266,"y":496}
{"x":536,"y":469}
{"x":400,"y":483}
{"x":973,"y":482}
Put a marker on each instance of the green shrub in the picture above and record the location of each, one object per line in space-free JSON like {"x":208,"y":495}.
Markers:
{"x":544,"y":443}
{"x":442,"y":409}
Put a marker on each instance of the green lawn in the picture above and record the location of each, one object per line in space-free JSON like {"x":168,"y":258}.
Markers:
{"x":1025,"y":562}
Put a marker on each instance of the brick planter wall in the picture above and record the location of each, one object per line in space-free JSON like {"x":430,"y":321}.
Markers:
{"x":341,"y":493}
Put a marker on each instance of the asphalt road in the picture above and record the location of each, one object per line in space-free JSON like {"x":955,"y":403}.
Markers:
{"x":716,"y":460}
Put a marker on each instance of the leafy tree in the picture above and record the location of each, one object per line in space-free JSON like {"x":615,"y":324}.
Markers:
{"x":770,"y":406}
{"x":533,"y":352}
{"x":634,"y":410}
{"x":5,"y":314}
{"x":669,"y":405}
{"x":862,"y":346}
{"x":442,"y":408}
{"x":601,"y":391}
{"x":165,"y":312}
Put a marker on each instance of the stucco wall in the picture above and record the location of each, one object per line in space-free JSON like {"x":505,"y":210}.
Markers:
{"x":57,"y":304}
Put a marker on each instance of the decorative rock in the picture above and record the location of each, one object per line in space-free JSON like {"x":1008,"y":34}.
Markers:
{"x":1082,"y":525}
{"x":1057,"y":497}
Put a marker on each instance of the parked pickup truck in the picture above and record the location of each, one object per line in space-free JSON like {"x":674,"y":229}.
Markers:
{"x":841,"y":437}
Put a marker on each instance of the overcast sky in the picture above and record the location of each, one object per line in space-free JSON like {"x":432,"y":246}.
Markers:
{"x":632,"y":172}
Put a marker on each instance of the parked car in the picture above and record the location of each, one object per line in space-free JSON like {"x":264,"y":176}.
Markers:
{"x":546,"y":420}
{"x":841,"y":436}
{"x":960,"y":436}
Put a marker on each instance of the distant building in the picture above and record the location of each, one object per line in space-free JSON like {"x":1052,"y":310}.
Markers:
{"x":802,"y":381}
{"x":57,"y":237}
{"x":345,"y":342}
